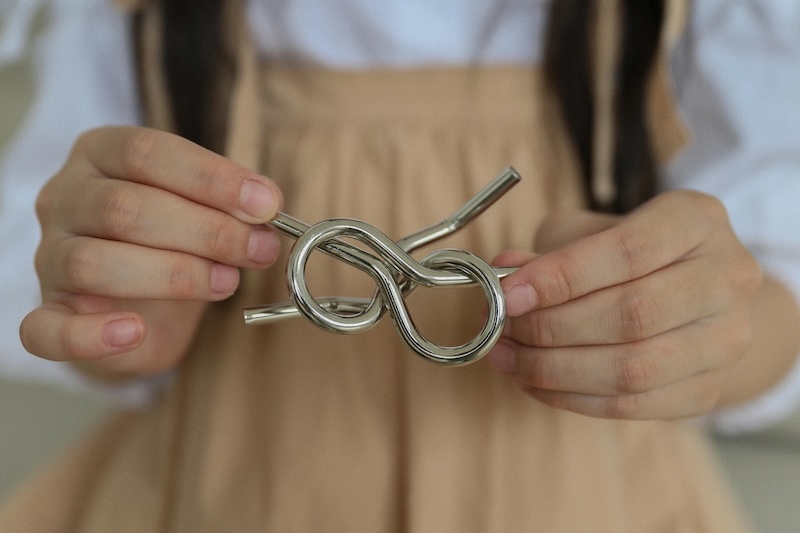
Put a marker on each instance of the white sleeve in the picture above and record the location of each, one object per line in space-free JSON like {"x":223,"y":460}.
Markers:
{"x":83,"y":79}
{"x":738,"y":79}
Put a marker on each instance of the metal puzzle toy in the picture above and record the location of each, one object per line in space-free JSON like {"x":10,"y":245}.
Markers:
{"x":396,"y":274}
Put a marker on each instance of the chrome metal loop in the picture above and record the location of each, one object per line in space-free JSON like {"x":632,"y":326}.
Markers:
{"x":396,"y":274}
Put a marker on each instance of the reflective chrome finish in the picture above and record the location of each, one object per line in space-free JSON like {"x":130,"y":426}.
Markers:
{"x":396,"y":274}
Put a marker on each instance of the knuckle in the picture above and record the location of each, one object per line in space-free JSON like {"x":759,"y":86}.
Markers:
{"x":634,"y":251}
{"x":560,"y":284}
{"x":81,"y":265}
{"x":70,"y":342}
{"x":740,"y":333}
{"x":624,"y":406}
{"x":40,"y":260}
{"x":557,"y":400}
{"x":209,"y":176}
{"x":543,"y":327}
{"x":711,"y":206}
{"x":542,"y":373}
{"x":139,"y":149}
{"x":211,"y":181}
{"x":45,"y":202}
{"x":747,"y":273}
{"x":638,"y":315}
{"x":635,"y":373}
{"x":708,"y":210}
{"x":183,"y":283}
{"x":121,"y":212}
{"x":224,"y":240}
{"x":84,"y":140}
{"x":701,"y":202}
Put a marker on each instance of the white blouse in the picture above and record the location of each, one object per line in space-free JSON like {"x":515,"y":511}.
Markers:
{"x":737,"y":75}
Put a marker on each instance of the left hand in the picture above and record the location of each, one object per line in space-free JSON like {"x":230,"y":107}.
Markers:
{"x":641,"y":316}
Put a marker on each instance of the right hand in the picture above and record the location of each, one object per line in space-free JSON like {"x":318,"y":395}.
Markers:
{"x":141,"y":229}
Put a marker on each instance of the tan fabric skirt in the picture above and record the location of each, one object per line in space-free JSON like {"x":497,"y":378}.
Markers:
{"x":289,"y":428}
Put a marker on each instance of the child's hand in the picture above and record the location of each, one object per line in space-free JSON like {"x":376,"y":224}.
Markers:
{"x":641,"y":316}
{"x":140,"y":230}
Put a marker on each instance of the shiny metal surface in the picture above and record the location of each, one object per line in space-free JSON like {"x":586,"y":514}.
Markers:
{"x":396,"y":275}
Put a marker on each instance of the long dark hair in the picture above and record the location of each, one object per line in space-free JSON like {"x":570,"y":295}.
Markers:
{"x":568,"y":68}
{"x":194,"y":56}
{"x":196,"y":67}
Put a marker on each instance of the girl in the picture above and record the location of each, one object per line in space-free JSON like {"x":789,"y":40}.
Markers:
{"x":631,"y":310}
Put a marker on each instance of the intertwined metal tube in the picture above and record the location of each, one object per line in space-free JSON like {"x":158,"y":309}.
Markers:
{"x":396,"y":274}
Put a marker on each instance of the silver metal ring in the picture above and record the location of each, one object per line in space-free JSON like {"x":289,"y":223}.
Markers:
{"x":396,"y":274}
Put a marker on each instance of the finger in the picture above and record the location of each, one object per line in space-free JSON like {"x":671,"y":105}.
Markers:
{"x":664,"y":230}
{"x":175,"y":164}
{"x":57,"y":333}
{"x":85,"y":265}
{"x":633,"y":311}
{"x":691,"y":397}
{"x":512,"y":258}
{"x":629,"y":368}
{"x":151,"y":217}
{"x":563,"y":227}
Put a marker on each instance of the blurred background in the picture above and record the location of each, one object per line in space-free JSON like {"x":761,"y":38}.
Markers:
{"x":38,"y":420}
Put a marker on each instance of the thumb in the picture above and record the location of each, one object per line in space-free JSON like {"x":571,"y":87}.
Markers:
{"x":58,"y":333}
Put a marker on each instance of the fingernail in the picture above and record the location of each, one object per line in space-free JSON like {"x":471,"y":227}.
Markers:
{"x":224,"y":278}
{"x":122,"y":332}
{"x":503,"y":358}
{"x":520,"y":299}
{"x":263,"y":246}
{"x":257,"y":200}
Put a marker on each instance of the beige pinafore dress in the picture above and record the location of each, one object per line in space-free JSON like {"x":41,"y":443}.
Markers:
{"x":288,"y":428}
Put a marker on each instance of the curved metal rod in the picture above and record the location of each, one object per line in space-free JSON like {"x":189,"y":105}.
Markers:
{"x":396,"y":273}
{"x":385,"y":276}
{"x":342,"y":305}
{"x":267,"y":314}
